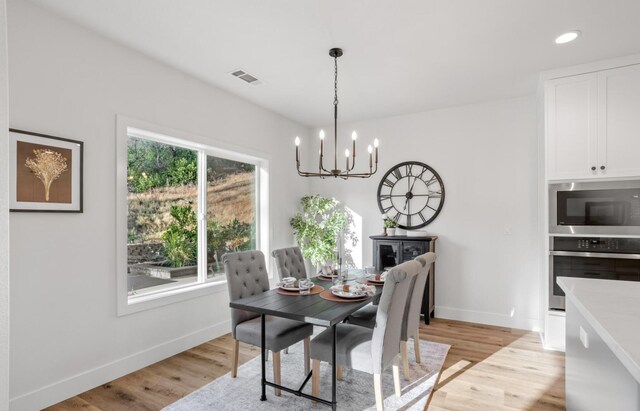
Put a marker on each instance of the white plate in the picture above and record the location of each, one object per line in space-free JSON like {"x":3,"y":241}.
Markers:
{"x":290,"y":288}
{"x":350,"y":294}
{"x":372,"y":278}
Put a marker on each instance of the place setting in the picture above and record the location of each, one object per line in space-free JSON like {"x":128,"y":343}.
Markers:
{"x":349,"y":292}
{"x":294,"y":286}
{"x":372,"y":278}
{"x":328,"y":273}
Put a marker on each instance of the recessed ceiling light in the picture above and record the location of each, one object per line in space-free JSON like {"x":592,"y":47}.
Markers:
{"x":567,"y":37}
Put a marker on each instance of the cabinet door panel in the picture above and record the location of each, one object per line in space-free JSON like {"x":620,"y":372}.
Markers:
{"x":619,"y":122}
{"x":571,"y":127}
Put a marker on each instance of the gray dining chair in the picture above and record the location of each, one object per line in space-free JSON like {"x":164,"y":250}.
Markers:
{"x":371,"y":350}
{"x":411,"y":324}
{"x":290,"y":262}
{"x":247,"y":276}
{"x":366,"y":316}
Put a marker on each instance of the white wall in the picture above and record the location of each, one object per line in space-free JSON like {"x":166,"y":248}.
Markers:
{"x":486,"y":155}
{"x":4,"y":213}
{"x":66,"y":81}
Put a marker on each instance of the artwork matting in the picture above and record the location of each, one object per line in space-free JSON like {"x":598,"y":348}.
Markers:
{"x":45,"y":173}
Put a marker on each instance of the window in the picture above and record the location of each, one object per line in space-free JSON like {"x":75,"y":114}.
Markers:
{"x":186,"y":205}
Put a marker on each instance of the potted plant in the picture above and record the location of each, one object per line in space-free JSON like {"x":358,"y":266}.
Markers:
{"x":318,"y":227}
{"x":390,"y":226}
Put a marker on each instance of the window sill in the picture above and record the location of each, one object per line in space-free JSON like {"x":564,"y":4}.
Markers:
{"x":134,"y":304}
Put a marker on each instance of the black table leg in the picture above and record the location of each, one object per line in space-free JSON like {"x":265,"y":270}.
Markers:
{"x":334,"y":372}
{"x":264,"y":351}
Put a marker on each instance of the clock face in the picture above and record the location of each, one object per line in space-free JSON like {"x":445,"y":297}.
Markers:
{"x":412,"y":193}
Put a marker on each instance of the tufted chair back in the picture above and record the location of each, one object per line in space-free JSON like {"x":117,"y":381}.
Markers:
{"x":246,"y":276}
{"x":415,"y":301}
{"x":290,"y":262}
{"x":385,"y":342}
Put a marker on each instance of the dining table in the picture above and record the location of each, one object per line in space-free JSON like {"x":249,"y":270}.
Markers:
{"x":311,"y":309}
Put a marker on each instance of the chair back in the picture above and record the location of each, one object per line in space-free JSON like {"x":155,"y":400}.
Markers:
{"x":415,"y":301}
{"x":385,"y":342}
{"x":246,"y":273}
{"x":290,"y":262}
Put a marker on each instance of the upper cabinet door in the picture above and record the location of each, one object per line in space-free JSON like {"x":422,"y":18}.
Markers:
{"x":571,"y":119}
{"x":619,"y":122}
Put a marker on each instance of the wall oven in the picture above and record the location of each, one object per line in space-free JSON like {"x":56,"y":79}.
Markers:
{"x":595,"y":208}
{"x":591,"y":257}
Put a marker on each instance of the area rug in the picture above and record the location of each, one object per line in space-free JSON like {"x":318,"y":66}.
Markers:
{"x":355,"y":391}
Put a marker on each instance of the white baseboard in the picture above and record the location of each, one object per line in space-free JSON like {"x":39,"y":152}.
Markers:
{"x":79,"y":383}
{"x":482,"y":317}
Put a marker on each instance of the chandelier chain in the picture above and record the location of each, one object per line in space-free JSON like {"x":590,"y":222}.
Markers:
{"x":335,"y":81}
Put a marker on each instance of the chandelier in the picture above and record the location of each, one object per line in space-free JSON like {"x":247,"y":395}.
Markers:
{"x":350,"y":156}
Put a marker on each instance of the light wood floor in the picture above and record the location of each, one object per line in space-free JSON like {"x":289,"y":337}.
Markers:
{"x":488,"y":368}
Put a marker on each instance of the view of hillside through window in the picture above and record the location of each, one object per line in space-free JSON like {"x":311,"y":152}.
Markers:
{"x":162,"y":223}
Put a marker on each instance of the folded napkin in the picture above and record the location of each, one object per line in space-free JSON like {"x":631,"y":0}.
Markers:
{"x":288,"y":282}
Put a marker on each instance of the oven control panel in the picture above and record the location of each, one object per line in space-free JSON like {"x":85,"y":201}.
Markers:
{"x":597,"y":244}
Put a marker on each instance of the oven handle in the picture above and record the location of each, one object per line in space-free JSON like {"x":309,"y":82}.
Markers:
{"x":594,"y":255}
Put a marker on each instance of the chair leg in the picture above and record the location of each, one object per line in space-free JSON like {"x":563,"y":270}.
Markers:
{"x":405,"y":360}
{"x":339,"y":372}
{"x":396,"y":377}
{"x":276,"y":371}
{"x":377,"y":386}
{"x":416,"y":346}
{"x":307,"y":361}
{"x":234,"y":358}
{"x":315,"y":379}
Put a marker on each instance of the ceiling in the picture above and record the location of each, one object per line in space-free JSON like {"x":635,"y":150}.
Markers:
{"x":400,"y":56}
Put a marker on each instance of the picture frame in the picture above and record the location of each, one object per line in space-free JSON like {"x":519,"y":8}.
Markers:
{"x":46,"y":173}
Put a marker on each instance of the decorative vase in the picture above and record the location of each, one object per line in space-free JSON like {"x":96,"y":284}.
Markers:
{"x":391,"y":232}
{"x":384,"y":233}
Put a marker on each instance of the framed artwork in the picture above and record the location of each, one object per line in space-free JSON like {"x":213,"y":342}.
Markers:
{"x":45,"y":173}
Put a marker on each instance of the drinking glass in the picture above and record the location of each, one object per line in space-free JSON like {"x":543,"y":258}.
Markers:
{"x":305,"y":286}
{"x":370,"y":270}
{"x":338,"y":279}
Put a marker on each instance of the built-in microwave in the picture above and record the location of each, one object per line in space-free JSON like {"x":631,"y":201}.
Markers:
{"x":595,"y":208}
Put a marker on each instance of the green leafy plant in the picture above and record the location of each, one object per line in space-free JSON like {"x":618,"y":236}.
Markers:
{"x":181,"y":237}
{"x":390,"y":223}
{"x":234,"y":236}
{"x":317,"y":227}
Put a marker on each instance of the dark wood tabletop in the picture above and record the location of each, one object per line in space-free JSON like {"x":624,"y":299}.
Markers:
{"x":311,"y":309}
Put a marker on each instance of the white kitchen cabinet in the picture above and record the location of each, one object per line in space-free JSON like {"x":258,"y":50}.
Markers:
{"x":619,"y":122}
{"x":593,"y":125}
{"x":571,"y":114}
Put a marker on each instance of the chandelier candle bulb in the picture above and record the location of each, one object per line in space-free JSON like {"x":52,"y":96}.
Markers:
{"x":297,"y":149}
{"x":354,"y":136}
{"x":370,"y":150}
{"x":321,"y":142}
{"x":376,"y":143}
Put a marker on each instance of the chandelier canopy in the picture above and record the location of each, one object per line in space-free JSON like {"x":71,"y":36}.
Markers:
{"x":350,"y":156}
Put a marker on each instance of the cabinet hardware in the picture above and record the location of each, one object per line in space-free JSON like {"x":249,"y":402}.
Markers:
{"x":602,"y":167}
{"x":593,"y":168}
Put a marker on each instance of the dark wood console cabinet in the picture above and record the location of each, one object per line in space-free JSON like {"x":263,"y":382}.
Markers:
{"x":391,"y":251}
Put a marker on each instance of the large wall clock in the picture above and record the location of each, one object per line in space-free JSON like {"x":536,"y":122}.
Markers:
{"x":412,"y":193}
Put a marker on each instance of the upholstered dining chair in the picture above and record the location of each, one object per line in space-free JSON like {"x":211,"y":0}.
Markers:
{"x":371,"y":350}
{"x":366,"y":316}
{"x":290,"y":262}
{"x":246,"y":276}
{"x":411,"y":325}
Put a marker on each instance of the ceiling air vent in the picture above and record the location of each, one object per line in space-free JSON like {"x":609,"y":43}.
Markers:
{"x":243,"y":75}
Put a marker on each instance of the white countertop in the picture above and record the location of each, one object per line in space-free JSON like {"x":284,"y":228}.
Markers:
{"x":612,"y":308}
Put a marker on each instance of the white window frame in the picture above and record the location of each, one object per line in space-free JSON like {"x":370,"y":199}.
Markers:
{"x":128,"y":127}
